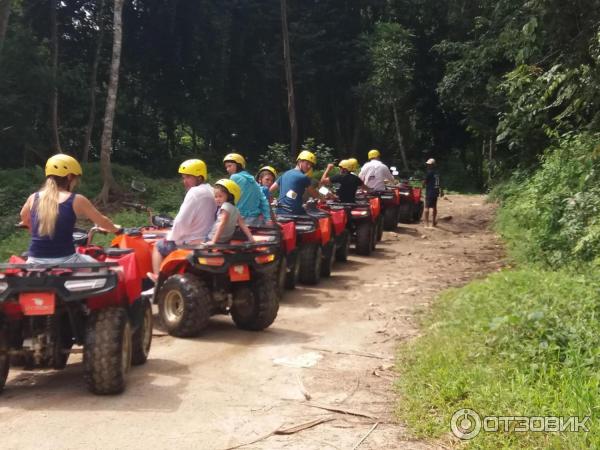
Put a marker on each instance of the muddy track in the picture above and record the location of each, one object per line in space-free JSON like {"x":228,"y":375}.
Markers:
{"x":230,"y":387}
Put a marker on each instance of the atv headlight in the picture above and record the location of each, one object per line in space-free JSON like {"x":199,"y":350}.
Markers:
{"x":3,"y":286}
{"x":85,"y":285}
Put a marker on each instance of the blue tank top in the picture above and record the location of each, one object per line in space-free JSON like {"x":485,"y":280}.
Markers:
{"x":59,"y":245}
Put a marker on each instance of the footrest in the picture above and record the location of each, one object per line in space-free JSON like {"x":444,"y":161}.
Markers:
{"x":114,"y":252}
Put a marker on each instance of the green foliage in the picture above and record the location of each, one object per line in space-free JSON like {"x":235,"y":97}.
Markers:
{"x":519,"y":343}
{"x":278,"y":155}
{"x":551,"y":217}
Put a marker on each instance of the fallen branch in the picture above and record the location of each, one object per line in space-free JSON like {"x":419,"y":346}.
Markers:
{"x":350,"y":352}
{"x":365,"y":436}
{"x":286,"y":431}
{"x":303,"y":390}
{"x":341,"y":410}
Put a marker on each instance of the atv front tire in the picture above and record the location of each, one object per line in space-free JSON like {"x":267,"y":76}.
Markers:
{"x":364,"y":239}
{"x":107,"y":351}
{"x":310,"y":263}
{"x":341,"y":254}
{"x":390,"y":218}
{"x":184,"y":305}
{"x":255,"y":304}
{"x":4,"y":358}
{"x":293,"y":275}
{"x":142,"y":337}
{"x":328,"y":259}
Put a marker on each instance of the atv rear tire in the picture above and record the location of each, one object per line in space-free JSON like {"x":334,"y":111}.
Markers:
{"x":390,"y":218}
{"x":142,"y":337}
{"x":341,"y":254}
{"x":292,"y":276}
{"x":364,"y":239}
{"x":418,"y":212}
{"x":184,"y":305}
{"x":310,"y":263}
{"x":255,"y":305}
{"x":4,"y":358}
{"x":328,"y":259}
{"x":406,"y":213}
{"x":107,"y":351}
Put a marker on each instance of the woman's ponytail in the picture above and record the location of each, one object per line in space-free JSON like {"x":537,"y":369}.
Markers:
{"x":47,"y":208}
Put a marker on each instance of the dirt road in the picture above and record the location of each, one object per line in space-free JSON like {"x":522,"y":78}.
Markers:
{"x":230,"y":387}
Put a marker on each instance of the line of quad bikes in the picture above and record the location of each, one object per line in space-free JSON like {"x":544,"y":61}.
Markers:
{"x":47,"y":309}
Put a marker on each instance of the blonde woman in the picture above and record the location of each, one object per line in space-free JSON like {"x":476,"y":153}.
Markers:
{"x":50,"y":214}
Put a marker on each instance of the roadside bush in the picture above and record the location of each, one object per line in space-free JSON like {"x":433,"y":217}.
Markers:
{"x":552,"y":217}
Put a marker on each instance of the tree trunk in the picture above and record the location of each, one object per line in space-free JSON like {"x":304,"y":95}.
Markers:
{"x":111,"y":102}
{"x":4,"y":15}
{"x":54,"y":96}
{"x":289,"y":80}
{"x":87,"y":140}
{"x":400,"y":139}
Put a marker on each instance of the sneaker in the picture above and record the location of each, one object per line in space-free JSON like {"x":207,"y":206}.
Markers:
{"x":148,"y":292}
{"x":153,"y":277}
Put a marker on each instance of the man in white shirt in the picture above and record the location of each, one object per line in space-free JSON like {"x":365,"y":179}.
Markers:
{"x":196,"y":214}
{"x":374,"y":173}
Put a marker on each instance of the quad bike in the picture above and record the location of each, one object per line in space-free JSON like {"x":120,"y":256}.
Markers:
{"x":316,"y":247}
{"x":361,"y":222}
{"x":142,"y":239}
{"x":411,"y":203}
{"x":289,"y":268}
{"x":46,"y":309}
{"x":367,"y":209}
{"x":238,"y":278}
{"x":390,"y":206}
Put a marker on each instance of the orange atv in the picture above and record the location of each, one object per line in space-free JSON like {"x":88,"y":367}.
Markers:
{"x":238,"y":278}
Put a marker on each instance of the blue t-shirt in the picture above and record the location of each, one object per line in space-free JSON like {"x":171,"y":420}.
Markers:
{"x":432,"y":183}
{"x":292,"y":185}
{"x":252,"y":202}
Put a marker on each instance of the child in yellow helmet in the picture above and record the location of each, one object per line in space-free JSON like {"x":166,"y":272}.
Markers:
{"x":227,"y":194}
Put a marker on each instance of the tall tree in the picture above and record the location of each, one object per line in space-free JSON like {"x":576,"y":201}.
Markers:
{"x":87,"y":141}
{"x":285,"y":34}
{"x":54,"y":95}
{"x":111,"y":102}
{"x":4,"y":15}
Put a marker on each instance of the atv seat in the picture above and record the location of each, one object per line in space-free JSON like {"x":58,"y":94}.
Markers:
{"x":115,"y":252}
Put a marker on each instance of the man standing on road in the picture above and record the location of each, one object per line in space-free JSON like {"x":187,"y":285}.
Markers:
{"x":374,"y":173}
{"x":433,"y":191}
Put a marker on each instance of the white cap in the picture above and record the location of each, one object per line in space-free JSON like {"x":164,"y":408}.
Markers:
{"x":430,"y":161}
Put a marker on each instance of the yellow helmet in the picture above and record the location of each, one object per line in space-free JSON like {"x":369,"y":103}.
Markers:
{"x":305,"y":155}
{"x":236,"y":158}
{"x":266,"y":169}
{"x":373,"y":154}
{"x":354,"y":163}
{"x":346,"y":164}
{"x":194,"y":167}
{"x":232,"y":187}
{"x":62,"y":165}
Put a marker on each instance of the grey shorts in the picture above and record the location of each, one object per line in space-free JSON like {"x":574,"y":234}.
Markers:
{"x":74,"y":258}
{"x":165,"y":247}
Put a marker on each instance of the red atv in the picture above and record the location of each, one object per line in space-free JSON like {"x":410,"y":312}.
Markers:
{"x":316,"y":246}
{"x":368,"y":206}
{"x":46,"y":309}
{"x":289,"y":268}
{"x":411,"y":203}
{"x":390,"y":206}
{"x":239,"y":278}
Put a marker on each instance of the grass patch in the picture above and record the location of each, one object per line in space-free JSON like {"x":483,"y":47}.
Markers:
{"x":519,"y":343}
